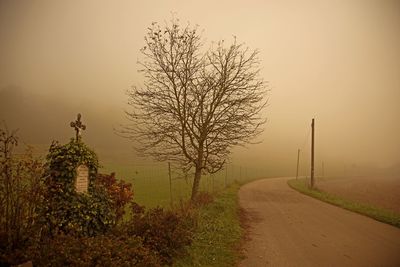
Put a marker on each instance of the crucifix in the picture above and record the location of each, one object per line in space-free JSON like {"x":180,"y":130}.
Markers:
{"x":79,"y":126}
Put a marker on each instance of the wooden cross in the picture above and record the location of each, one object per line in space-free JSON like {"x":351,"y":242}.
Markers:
{"x":78,"y":126}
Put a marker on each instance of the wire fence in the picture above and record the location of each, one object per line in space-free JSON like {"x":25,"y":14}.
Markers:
{"x":155,"y":184}
{"x":151,"y":183}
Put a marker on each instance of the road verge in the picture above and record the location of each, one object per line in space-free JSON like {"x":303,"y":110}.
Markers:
{"x":218,"y":234}
{"x":373,"y":212}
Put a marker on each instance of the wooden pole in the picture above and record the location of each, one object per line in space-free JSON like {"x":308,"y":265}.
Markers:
{"x":226,"y":174}
{"x":212,"y":181}
{"x":312,"y":153}
{"x":298,"y":159}
{"x":170,"y":181}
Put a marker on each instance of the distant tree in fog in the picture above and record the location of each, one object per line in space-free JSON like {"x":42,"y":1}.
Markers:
{"x":195,"y":104}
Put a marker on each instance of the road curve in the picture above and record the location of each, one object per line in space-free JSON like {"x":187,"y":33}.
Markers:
{"x":287,"y":228}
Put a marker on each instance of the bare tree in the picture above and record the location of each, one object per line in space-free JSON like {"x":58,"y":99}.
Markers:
{"x":195,"y":104}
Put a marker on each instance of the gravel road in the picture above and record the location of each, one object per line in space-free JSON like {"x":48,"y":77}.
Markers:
{"x":287,"y":228}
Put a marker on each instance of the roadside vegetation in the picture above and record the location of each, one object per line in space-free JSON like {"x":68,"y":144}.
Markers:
{"x":105,"y":226}
{"x":373,"y":212}
{"x":215,"y":241}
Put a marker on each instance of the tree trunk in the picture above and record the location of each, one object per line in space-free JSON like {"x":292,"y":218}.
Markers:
{"x":196,"y":182}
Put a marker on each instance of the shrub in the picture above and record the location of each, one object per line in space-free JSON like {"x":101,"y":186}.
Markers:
{"x":78,"y":214}
{"x":65,"y":210}
{"x":21,"y":192}
{"x":119,"y":192}
{"x":102,"y":250}
{"x":202,"y":199}
{"x":164,"y":231}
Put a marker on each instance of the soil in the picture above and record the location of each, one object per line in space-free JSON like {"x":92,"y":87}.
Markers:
{"x":382,"y":192}
{"x":287,"y":228}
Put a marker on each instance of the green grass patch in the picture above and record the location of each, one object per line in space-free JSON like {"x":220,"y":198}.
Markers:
{"x":218,"y":233}
{"x":376,"y":213}
{"x":151,"y":181}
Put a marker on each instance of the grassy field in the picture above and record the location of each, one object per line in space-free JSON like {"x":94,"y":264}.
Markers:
{"x":376,"y":213}
{"x":218,"y":234}
{"x":151,"y":181}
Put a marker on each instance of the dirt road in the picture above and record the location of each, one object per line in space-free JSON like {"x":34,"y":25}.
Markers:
{"x":287,"y":228}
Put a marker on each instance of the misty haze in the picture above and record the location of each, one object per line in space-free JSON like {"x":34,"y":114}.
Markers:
{"x":190,"y":104}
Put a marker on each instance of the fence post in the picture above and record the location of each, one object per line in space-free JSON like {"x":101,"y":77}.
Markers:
{"x":298,"y":159}
{"x":212,"y":179}
{"x":170,"y":182}
{"x":226,"y":174}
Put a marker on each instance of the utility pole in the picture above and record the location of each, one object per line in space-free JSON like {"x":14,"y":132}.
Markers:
{"x":312,"y":153}
{"x":323,"y":170}
{"x":298,"y":158}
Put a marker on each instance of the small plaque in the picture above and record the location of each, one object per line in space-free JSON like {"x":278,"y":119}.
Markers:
{"x":82,"y":179}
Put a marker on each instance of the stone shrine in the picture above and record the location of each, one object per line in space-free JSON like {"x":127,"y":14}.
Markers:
{"x":82,"y":179}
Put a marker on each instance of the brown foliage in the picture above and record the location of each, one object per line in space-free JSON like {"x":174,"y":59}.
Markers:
{"x":103,"y":250}
{"x":119,"y":191}
{"x":165,"y":232}
{"x":203,"y":199}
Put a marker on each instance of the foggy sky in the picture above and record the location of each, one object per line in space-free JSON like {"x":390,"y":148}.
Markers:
{"x":336,"y":61}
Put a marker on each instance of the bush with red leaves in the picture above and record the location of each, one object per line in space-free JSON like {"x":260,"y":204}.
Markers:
{"x":119,"y":191}
{"x":165,"y":232}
